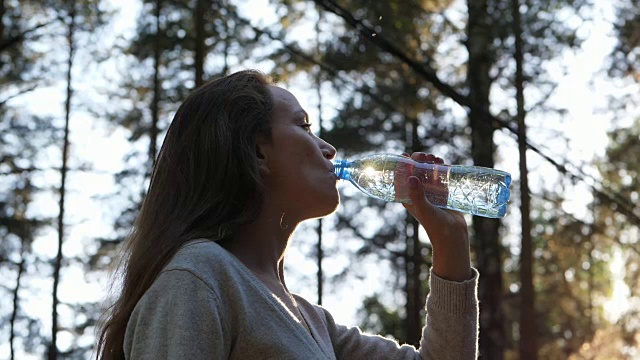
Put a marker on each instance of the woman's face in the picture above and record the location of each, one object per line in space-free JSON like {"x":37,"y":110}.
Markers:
{"x":300,"y":172}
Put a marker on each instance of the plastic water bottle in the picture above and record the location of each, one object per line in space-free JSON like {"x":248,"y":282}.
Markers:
{"x":469,"y":189}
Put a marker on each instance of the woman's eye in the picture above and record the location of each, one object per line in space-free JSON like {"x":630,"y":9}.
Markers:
{"x":307,"y":126}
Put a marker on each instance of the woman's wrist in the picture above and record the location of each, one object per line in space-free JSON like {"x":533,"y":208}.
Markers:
{"x":451,"y":264}
{"x":453,"y":274}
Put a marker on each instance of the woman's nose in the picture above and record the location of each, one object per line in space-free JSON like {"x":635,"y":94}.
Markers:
{"x":328,"y":150}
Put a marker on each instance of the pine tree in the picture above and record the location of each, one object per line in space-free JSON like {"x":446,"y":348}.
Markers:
{"x":528,"y":328}
{"x":620,"y":170}
{"x":76,"y":17}
{"x":22,"y":138}
{"x":172,"y":52}
{"x":381,"y":112}
{"x":53,"y":347}
{"x":543,"y":40}
{"x":491,"y":21}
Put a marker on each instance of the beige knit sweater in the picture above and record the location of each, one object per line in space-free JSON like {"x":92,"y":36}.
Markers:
{"x":207,"y":305}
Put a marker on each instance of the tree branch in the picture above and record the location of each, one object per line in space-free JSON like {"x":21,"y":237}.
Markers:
{"x":6,"y":44}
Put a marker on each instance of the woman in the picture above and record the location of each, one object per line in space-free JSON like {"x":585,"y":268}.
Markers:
{"x":203,"y":267}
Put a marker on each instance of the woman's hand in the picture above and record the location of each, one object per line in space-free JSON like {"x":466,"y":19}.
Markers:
{"x":447,"y":229}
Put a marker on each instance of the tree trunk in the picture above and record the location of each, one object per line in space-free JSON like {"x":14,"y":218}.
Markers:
{"x":155,"y":103}
{"x":200,"y":55}
{"x":486,"y":242}
{"x":227,"y":47}
{"x":2,"y":11}
{"x":528,"y":329}
{"x":319,"y":258}
{"x":409,"y":267}
{"x":418,"y":298}
{"x":414,"y":262}
{"x":53,"y":348}
{"x":319,"y":250}
{"x":591,"y":283}
{"x":318,"y":80}
{"x":16,"y":301}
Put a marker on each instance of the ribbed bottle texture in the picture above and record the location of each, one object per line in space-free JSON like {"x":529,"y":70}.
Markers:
{"x":470,"y":189}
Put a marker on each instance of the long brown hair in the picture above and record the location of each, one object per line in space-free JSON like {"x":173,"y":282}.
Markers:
{"x":205,"y":184}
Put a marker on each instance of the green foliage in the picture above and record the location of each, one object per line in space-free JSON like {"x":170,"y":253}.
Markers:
{"x":400,"y":111}
{"x":620,"y":170}
{"x":572,"y":274}
{"x":382,"y":105}
{"x":379,"y":319}
{"x":626,"y":54}
{"x":23,"y":136}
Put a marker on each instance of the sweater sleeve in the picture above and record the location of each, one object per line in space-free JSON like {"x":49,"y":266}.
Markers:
{"x":177,"y":318}
{"x":451,"y":330}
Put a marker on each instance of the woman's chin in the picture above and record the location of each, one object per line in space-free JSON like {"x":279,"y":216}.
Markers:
{"x":333,"y":204}
{"x":328,"y":207}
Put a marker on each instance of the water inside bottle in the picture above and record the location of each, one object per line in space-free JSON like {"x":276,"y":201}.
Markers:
{"x":474,"y":190}
{"x":386,"y":178}
{"x":484,"y":192}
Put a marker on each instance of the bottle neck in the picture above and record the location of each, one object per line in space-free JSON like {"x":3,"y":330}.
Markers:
{"x":342,"y":169}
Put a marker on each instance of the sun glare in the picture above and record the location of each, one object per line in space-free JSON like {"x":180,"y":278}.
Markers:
{"x":369,"y":171}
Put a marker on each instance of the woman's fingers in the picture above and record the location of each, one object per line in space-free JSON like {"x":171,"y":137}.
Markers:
{"x":446,"y":229}
{"x":424,"y":211}
{"x":425,"y":158}
{"x":421,"y":208}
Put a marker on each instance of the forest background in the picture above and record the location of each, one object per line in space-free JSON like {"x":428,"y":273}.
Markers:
{"x":546,"y":90}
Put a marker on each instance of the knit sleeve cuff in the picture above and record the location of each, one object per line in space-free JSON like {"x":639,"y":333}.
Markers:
{"x":453,"y":297}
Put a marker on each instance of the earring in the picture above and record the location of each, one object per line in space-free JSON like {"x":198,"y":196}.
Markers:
{"x":285,"y":226}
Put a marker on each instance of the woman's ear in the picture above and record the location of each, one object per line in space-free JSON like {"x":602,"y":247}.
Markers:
{"x":262,"y":153}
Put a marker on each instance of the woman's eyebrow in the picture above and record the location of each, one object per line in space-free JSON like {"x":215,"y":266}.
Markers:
{"x":304,"y":113}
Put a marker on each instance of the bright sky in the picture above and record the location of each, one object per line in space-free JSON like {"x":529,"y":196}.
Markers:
{"x":105,"y":148}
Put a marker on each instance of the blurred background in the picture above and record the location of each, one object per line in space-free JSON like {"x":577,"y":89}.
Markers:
{"x":547,"y":90}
